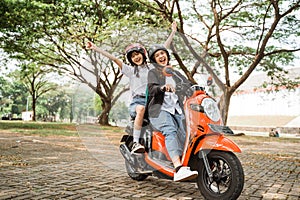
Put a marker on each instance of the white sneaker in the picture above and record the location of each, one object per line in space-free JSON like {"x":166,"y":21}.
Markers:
{"x":137,"y":148}
{"x":184,"y":174}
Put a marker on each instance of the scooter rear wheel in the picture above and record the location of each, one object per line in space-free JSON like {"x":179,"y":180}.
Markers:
{"x":132,"y":174}
{"x":228,"y":176}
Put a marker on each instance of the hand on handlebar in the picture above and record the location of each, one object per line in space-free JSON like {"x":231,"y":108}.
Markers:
{"x":168,"y":88}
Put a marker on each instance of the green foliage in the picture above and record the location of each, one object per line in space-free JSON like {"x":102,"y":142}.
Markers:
{"x":83,"y":104}
{"x":54,"y":33}
{"x":243,"y":28}
{"x":55,"y":103}
{"x":33,"y":27}
{"x":97,"y":104}
{"x":13,"y":96}
{"x":119,"y":111}
{"x":278,"y":76}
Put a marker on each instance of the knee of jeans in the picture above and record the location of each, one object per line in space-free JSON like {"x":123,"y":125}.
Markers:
{"x":170,"y":133}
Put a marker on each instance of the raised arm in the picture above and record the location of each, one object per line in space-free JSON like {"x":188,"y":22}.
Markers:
{"x":170,"y":38}
{"x":92,"y":46}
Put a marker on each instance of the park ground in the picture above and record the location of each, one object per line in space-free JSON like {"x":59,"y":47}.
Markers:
{"x":87,"y":165}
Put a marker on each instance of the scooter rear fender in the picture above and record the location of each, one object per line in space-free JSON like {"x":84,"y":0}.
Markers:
{"x":217,"y":142}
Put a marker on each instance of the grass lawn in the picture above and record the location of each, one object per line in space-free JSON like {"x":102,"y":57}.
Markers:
{"x":39,"y":128}
{"x":51,"y":128}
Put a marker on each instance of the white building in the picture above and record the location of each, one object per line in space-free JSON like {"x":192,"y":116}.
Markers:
{"x":27,"y":116}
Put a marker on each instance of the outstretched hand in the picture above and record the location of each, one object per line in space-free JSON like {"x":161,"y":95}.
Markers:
{"x":90,"y":45}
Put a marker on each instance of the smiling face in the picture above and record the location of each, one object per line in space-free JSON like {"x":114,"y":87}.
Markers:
{"x":161,"y":57}
{"x":137,"y":58}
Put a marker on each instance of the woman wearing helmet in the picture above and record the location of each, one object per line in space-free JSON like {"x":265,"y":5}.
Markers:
{"x":137,"y":73}
{"x":165,"y":108}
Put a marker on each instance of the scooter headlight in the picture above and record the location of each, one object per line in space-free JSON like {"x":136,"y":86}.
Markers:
{"x":211,"y":109}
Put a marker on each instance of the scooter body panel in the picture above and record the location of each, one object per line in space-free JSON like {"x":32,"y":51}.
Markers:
{"x":217,"y":142}
{"x":168,"y":171}
{"x":158,"y":143}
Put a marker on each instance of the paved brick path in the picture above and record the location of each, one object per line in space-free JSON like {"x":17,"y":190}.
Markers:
{"x":90,"y":167}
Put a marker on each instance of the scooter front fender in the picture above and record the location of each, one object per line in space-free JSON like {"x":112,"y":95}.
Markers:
{"x":217,"y":142}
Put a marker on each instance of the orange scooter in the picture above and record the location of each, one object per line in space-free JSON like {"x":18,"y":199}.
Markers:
{"x":207,"y":150}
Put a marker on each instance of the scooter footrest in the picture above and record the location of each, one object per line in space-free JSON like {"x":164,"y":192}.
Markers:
{"x":164,"y":162}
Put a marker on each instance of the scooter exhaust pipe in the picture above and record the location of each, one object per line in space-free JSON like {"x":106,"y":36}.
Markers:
{"x":126,"y":154}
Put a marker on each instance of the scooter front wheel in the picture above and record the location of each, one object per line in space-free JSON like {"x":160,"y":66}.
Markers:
{"x":227,"y":179}
{"x":132,"y":174}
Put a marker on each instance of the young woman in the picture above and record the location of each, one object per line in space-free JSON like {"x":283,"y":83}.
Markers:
{"x":165,"y":109}
{"x":137,"y":73}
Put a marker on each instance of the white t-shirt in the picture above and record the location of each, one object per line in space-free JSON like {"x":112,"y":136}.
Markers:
{"x":171,"y":103}
{"x":138,"y":85}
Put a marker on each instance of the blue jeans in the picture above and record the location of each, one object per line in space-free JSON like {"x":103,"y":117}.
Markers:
{"x":136,"y":101}
{"x":172,"y":128}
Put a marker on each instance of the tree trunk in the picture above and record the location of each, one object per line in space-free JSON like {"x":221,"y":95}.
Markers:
{"x":71,"y":111}
{"x":33,"y":108}
{"x":224,"y":105}
{"x":103,"y":118}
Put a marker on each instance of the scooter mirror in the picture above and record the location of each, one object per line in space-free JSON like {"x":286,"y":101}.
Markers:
{"x":209,"y":81}
{"x":167,"y":70}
